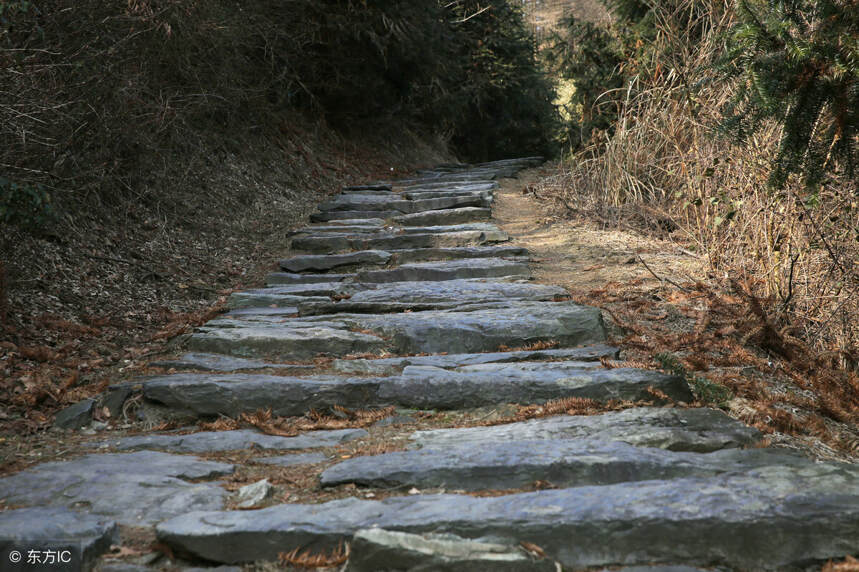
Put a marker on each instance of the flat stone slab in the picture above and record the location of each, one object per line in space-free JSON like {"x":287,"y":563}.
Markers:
{"x":449,"y":270}
{"x":282,"y":341}
{"x":210,"y":395}
{"x":293,"y":460}
{"x":766,"y":518}
{"x":428,"y":295}
{"x":351,"y":216}
{"x":516,"y":324}
{"x":561,"y":462}
{"x":268,"y":297}
{"x":217,"y":362}
{"x":390,"y":366}
{"x":84,"y":536}
{"x":135,"y":489}
{"x":438,"y":229}
{"x":328,"y":244}
{"x":698,"y":430}
{"x":352,"y":202}
{"x":445,"y":216}
{"x":428,"y":387}
{"x":323,"y":262}
{"x":406,"y":256}
{"x":512,"y":324}
{"x":214,"y":441}
{"x":376,"y":549}
{"x":290,"y":278}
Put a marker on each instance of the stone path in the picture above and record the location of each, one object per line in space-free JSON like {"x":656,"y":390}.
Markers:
{"x":419,"y":304}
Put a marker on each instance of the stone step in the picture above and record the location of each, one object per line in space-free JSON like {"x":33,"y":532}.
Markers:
{"x":336,"y":243}
{"x":390,"y":366}
{"x":330,"y":216}
{"x":135,"y":489}
{"x":428,"y":387}
{"x":351,"y":202}
{"x":449,"y":270}
{"x":417,"y":387}
{"x":560,"y":462}
{"x":289,"y":278}
{"x":217,"y":441}
{"x":217,"y":362}
{"x":424,"y":295}
{"x":446,"y":228}
{"x":764,"y":519}
{"x":324,"y":262}
{"x":446,"y":216}
{"x":510,"y":324}
{"x":698,"y":430}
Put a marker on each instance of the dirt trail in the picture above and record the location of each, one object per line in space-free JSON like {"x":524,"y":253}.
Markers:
{"x":580,"y":257}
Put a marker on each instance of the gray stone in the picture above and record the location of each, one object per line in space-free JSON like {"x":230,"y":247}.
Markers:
{"x":214,"y":441}
{"x":118,"y":566}
{"x":268,"y":297}
{"x":438,"y":229}
{"x":115,"y":398}
{"x":330,"y":216}
{"x":231,"y":395}
{"x":767,"y":518}
{"x":75,"y":416}
{"x":391,"y":366}
{"x":379,"y":550}
{"x":445,"y":216}
{"x":253,"y":494}
{"x":516,"y":324}
{"x":135,"y":489}
{"x":427,"y":387}
{"x":384,"y":203}
{"x":695,"y":430}
{"x":292,"y":460}
{"x":428,"y":254}
{"x":327,"y":245}
{"x":274,"y":310}
{"x":480,"y":328}
{"x":85,"y":536}
{"x":429,"y":295}
{"x":448,"y":270}
{"x":217,"y":362}
{"x":280,"y":341}
{"x":280,"y":278}
{"x":330,"y":261}
{"x":561,"y":462}
{"x":326,"y":289}
{"x":334,"y":229}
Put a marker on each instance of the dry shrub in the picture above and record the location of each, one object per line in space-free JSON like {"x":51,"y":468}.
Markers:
{"x":308,"y":559}
{"x":793,"y":262}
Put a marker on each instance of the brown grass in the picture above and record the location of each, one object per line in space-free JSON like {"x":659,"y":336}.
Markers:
{"x":784,"y":276}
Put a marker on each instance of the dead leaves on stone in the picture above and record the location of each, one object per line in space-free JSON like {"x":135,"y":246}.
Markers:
{"x":263,"y":420}
{"x":309,"y":559}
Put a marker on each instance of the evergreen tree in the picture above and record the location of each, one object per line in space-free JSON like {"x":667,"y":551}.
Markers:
{"x":797,"y":62}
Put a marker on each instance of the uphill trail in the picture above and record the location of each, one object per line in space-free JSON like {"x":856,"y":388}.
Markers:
{"x":404,"y":395}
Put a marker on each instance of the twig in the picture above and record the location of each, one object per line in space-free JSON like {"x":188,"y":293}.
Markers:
{"x":670,"y":281}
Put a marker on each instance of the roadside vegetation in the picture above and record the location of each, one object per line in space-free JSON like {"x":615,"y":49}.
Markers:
{"x":730,"y":129}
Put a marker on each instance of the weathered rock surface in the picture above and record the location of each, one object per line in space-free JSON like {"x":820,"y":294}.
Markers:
{"x":511,"y":324}
{"x":384,"y":241}
{"x":561,"y":462}
{"x":428,"y":387}
{"x":323,"y":262}
{"x":254,"y":494}
{"x":268,"y":297}
{"x":449,"y":270}
{"x":394,"y":365}
{"x":133,"y":488}
{"x":446,"y":216}
{"x":406,"y":256}
{"x":429,"y":295}
{"x":217,"y":362}
{"x":766,"y":518}
{"x":85,"y":536}
{"x":279,"y":278}
{"x":331,"y":216}
{"x":379,"y":550}
{"x":695,"y":430}
{"x":300,"y":342}
{"x":75,"y":416}
{"x":209,"y":395}
{"x":213,"y":441}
